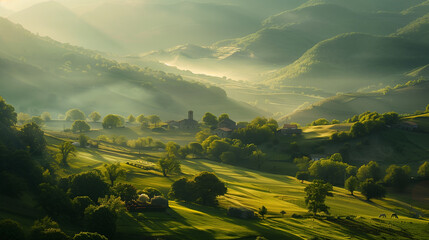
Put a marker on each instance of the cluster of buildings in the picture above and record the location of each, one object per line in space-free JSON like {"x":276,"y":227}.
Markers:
{"x":226,"y":126}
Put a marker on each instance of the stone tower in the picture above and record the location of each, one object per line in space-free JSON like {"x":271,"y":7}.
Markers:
{"x":190,"y":115}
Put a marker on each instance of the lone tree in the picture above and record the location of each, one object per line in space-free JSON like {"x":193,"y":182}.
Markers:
{"x":80,"y":126}
{"x":398,"y":177}
{"x":66,"y":150}
{"x":371,"y":189}
{"x":74,"y":114}
{"x":113,"y":172}
{"x":315,"y":197}
{"x":83,"y":140}
{"x":351,"y":184}
{"x":302,"y":176}
{"x":111,"y":121}
{"x":169,"y":165}
{"x":94,"y":116}
{"x":424,"y":170}
{"x":262,"y":211}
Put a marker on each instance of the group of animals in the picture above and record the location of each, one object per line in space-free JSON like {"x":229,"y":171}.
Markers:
{"x":383,"y":215}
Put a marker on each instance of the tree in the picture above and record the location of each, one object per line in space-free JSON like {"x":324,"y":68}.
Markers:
{"x":331,"y":171}
{"x":351,"y":171}
{"x":371,"y":189}
{"x":169,"y":166}
{"x":370,"y":170}
{"x":358,"y":130}
{"x":11,"y":230}
{"x":83,"y":140}
{"x":223,"y":116}
{"x":94,"y":116}
{"x":262,"y":211}
{"x":46,"y":116}
{"x":210,"y":120}
{"x":151,"y":192}
{"x":89,"y":236}
{"x":126,"y":192}
{"x":101,"y":219}
{"x":315,"y":197}
{"x":141,"y":118}
{"x":54,"y":200}
{"x":228,"y":157}
{"x":88,"y":184}
{"x":33,"y":137}
{"x":351,"y":184}
{"x":113,"y":171}
{"x":111,"y":121}
{"x":398,"y":177}
{"x":208,"y":187}
{"x":320,"y":121}
{"x":131,"y":119}
{"x":154,"y":119}
{"x":283,"y":212}
{"x":23,"y":118}
{"x":80,"y":126}
{"x":335,"y":121}
{"x":336,"y":157}
{"x":66,"y":150}
{"x":302,"y":163}
{"x":8,"y":116}
{"x":74,"y":114}
{"x":37,"y":120}
{"x":203,"y":188}
{"x":195,"y":148}
{"x":258,"y":156}
{"x":202,"y":135}
{"x":424,"y":170}
{"x":79,"y":204}
{"x":172,"y":150}
{"x":302,"y":176}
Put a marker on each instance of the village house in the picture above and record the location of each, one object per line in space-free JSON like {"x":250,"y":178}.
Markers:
{"x":289,"y":129}
{"x":189,"y":123}
{"x":223,"y":132}
{"x":227,"y":123}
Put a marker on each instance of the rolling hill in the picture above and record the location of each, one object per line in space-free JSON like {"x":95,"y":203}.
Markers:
{"x":369,"y":5}
{"x":68,"y":27}
{"x":417,"y":30}
{"x":283,"y":38}
{"x":402,"y":100}
{"x":59,"y":76}
{"x":354,"y":61}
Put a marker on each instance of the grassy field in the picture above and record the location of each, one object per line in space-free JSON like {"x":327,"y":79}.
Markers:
{"x":250,"y":189}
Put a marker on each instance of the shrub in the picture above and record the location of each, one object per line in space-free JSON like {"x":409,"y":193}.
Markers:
{"x":242,"y":213}
{"x":11,"y":230}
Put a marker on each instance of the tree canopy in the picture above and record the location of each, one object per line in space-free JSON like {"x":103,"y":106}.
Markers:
{"x":316,"y":193}
{"x":94,"y":116}
{"x":112,"y":121}
{"x":74,"y":114}
{"x":80,"y":126}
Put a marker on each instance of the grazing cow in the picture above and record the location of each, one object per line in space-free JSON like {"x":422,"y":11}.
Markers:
{"x":394,"y":215}
{"x":382,"y":215}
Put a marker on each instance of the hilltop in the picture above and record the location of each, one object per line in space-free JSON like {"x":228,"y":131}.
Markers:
{"x":401,"y":100}
{"x":418,"y":30}
{"x":67,"y":28}
{"x":67,"y":76}
{"x":353,"y":61}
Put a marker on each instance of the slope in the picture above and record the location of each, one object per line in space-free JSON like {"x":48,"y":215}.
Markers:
{"x":370,"y":5}
{"x":59,"y":76}
{"x":418,"y":30}
{"x":67,"y":27}
{"x":406,"y":99}
{"x":354,"y":61}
